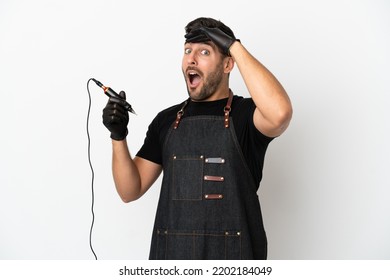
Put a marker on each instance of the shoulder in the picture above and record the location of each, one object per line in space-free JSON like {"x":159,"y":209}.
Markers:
{"x":171,"y":109}
{"x":166,"y":115}
{"x":243,"y":109}
{"x":242,"y":103}
{"x":155,"y":135}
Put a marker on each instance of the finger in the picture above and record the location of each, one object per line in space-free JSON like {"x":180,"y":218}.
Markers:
{"x":192,"y":33}
{"x":118,"y":101}
{"x":122,"y":94}
{"x":112,"y":106}
{"x":198,"y":39}
{"x":115,"y":110}
{"x":114,"y":119}
{"x":196,"y":36}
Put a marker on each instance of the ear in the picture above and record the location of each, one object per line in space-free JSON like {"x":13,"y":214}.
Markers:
{"x":228,"y":64}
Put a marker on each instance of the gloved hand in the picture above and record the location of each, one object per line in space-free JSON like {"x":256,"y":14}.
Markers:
{"x":116,"y":117}
{"x":220,"y":38}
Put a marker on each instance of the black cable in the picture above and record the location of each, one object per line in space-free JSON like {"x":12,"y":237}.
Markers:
{"x":93,"y":173}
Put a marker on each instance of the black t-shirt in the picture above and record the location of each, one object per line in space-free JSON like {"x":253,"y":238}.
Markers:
{"x":253,"y":143}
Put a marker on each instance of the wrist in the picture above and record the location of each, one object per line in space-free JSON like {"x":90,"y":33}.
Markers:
{"x":234,"y":48}
{"x":119,"y":136}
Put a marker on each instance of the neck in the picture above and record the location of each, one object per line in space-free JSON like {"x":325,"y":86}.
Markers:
{"x":220,"y":93}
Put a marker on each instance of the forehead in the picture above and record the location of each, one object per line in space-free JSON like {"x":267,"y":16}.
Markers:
{"x":207,"y":44}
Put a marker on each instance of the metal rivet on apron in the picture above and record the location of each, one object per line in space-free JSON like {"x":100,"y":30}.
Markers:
{"x":238,"y":233}
{"x":174,"y":157}
{"x":201,"y":156}
{"x":226,"y":233}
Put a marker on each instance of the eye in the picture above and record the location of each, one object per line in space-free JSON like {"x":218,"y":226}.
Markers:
{"x":205,"y":52}
{"x":187,"y":51}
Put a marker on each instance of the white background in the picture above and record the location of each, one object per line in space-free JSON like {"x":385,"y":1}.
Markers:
{"x":326,"y":188}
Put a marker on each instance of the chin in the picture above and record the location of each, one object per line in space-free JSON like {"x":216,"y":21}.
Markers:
{"x":200,"y":98}
{"x":194,"y":94}
{"x":198,"y":94}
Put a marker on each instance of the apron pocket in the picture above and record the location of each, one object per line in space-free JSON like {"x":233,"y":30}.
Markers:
{"x":198,"y":245}
{"x":187,"y":177}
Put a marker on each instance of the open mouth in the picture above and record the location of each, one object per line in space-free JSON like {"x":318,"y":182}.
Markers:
{"x":194,"y":78}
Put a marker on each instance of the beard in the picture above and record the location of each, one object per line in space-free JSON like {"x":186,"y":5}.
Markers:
{"x":209,"y":87}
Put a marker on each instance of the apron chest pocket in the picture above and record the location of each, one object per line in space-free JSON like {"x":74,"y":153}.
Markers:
{"x":187,"y":177}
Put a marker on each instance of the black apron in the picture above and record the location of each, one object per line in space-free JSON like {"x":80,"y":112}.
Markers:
{"x":208,"y":206}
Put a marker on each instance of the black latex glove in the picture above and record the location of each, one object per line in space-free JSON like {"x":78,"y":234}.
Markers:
{"x":116,"y":117}
{"x":220,"y":38}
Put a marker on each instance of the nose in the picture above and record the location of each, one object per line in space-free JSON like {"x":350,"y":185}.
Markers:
{"x":191,"y":59}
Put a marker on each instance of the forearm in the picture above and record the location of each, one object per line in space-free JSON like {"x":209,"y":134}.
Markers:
{"x":268,"y":94}
{"x":125,"y":172}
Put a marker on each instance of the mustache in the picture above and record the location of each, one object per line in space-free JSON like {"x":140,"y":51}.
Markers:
{"x":189,"y":68}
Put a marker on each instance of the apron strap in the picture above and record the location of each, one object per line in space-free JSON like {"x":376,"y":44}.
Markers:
{"x":179,"y":115}
{"x":226,"y":110}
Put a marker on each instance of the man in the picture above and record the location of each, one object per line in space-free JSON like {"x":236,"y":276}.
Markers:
{"x":210,"y":148}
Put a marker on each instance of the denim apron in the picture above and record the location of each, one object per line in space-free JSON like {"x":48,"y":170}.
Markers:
{"x":208,"y":206}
